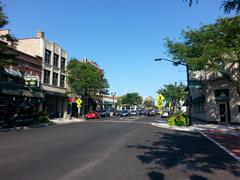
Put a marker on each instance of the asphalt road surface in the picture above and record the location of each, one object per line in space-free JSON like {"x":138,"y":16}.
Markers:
{"x":112,"y":149}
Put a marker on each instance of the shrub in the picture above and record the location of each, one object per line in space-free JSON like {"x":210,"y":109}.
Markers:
{"x":178,"y":120}
{"x":171,"y":121}
{"x":43,"y":118}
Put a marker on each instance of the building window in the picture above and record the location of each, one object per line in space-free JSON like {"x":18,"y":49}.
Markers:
{"x":238,"y":108}
{"x":46,"y":76}
{"x":62,"y":79}
{"x":55,"y":60}
{"x":55,"y":79}
{"x":63,"y":60}
{"x":47,"y":56}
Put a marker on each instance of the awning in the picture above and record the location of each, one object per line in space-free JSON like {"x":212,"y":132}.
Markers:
{"x":17,"y":90}
{"x":198,"y":99}
{"x":51,"y":93}
{"x":188,"y":102}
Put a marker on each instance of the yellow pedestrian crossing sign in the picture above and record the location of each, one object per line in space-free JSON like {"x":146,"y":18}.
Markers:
{"x":79,"y":102}
{"x":160,"y":98}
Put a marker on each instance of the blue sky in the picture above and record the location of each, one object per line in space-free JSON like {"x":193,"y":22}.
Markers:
{"x":122,"y":36}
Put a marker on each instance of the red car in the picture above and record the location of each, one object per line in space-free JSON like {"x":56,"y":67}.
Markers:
{"x":92,"y":115}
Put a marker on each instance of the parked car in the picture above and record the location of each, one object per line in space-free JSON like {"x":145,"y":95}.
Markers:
{"x":92,"y":115}
{"x":165,"y":114}
{"x":116,"y":113}
{"x":124,"y":113}
{"x":104,"y":113}
{"x":151,"y":113}
{"x":133,"y":113}
{"x":143,"y":113}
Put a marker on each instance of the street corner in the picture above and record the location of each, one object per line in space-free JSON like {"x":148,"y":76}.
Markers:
{"x":228,"y":141}
{"x":177,"y":128}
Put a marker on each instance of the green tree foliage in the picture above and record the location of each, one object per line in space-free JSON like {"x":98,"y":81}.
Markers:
{"x":214,"y":48}
{"x":131,"y":99}
{"x":5,"y":58}
{"x":174,"y":93}
{"x":227,"y":5}
{"x":85,"y":78}
{"x":149,"y":103}
{"x":119,"y":101}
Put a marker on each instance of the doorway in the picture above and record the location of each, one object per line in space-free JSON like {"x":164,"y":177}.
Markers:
{"x":224,"y":112}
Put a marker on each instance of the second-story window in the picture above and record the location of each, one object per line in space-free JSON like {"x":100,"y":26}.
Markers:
{"x":62,"y":79}
{"x":63,"y":60}
{"x":47,"y":56}
{"x":55,"y":60}
{"x":46,"y":76}
{"x":55,"y":79}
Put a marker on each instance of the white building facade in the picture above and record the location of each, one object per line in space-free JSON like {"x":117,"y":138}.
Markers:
{"x":54,"y":66}
{"x":216,"y":100}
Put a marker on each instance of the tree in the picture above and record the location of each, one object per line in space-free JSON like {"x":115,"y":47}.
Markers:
{"x":6,"y":40}
{"x":227,"y":5}
{"x":119,"y":101}
{"x":149,"y":103}
{"x":85,"y":78}
{"x":131,"y":99}
{"x":231,"y":5}
{"x":213,"y":48}
{"x":174,"y":93}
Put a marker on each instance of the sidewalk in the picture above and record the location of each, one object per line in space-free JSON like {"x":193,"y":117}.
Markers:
{"x":60,"y":121}
{"x":227,"y":137}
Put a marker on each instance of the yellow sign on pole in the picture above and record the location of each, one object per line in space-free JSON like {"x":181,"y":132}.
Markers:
{"x":79,"y":102}
{"x":160,"y":99}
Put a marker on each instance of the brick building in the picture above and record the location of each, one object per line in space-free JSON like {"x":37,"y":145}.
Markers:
{"x":20,"y":93}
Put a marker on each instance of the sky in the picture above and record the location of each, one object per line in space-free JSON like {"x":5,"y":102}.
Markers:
{"x":122,"y":36}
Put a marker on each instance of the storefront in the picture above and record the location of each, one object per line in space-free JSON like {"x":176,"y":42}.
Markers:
{"x":18,"y":101}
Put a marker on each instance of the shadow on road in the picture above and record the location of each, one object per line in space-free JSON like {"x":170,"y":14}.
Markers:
{"x":187,"y":154}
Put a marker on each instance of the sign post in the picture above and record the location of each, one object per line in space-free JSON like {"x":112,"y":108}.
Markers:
{"x":79,"y":102}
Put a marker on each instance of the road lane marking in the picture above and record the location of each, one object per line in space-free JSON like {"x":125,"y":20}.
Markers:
{"x":76,"y":174}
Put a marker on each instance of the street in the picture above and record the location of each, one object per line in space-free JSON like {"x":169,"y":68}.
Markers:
{"x":112,"y":149}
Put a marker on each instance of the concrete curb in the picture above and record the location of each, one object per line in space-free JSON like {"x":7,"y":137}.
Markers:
{"x":187,"y":129}
{"x":67,"y":121}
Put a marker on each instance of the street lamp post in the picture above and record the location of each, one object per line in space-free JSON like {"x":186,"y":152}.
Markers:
{"x":188,"y":89}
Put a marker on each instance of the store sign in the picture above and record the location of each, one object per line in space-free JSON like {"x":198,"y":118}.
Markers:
{"x":71,"y":99}
{"x":31,"y":81}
